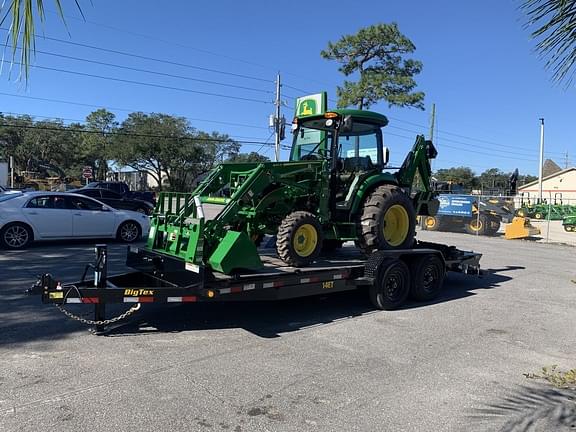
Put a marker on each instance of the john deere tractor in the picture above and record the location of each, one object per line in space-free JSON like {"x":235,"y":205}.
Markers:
{"x":333,"y":189}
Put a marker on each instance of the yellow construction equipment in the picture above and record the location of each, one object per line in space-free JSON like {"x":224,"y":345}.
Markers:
{"x":519,"y":228}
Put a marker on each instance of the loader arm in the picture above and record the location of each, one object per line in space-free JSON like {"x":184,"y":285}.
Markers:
{"x":418,"y":161}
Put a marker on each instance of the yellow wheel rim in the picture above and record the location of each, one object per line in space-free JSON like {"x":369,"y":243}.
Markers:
{"x":475,"y":225}
{"x":430,"y":222}
{"x":305,"y":240}
{"x":396,"y":225}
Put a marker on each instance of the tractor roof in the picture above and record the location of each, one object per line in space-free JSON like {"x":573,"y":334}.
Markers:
{"x":367,"y":116}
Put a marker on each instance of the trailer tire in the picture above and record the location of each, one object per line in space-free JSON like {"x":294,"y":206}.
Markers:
{"x":427,"y":277}
{"x":391,"y":285}
{"x":477,"y":225}
{"x":387,"y":220}
{"x":538,"y":215}
{"x":299,"y":239}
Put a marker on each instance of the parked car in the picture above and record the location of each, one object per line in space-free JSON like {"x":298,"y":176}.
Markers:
{"x":116,"y":201}
{"x":123,"y":189}
{"x":34,"y":216}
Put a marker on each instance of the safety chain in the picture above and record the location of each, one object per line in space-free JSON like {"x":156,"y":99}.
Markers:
{"x":98,"y":323}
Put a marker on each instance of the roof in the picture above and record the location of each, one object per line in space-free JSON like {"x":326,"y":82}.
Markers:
{"x":556,"y":174}
{"x":368,"y":116}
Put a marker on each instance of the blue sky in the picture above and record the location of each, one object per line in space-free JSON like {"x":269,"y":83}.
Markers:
{"x":489,"y":87}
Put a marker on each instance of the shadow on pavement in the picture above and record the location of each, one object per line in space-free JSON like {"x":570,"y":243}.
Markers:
{"x":271,"y":319}
{"x":24,"y":318}
{"x":532,"y":409}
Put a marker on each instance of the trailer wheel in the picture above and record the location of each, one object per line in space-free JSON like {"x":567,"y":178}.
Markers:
{"x":387,"y":221}
{"x":569,"y":228}
{"x":477,"y":225}
{"x":538,"y":215}
{"x":391,"y":284}
{"x":427,"y":277}
{"x":299,"y":239}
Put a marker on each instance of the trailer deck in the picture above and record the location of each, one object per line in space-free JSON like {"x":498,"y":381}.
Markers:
{"x":390,"y":277}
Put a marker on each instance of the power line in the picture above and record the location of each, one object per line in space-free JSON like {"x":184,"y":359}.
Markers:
{"x":127,"y":110}
{"x":148,"y":84}
{"x":132,"y":134}
{"x":141,"y":57}
{"x":152,"y":72}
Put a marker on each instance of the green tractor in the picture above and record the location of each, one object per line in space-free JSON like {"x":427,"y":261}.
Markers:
{"x":569,"y":223}
{"x":333,"y":189}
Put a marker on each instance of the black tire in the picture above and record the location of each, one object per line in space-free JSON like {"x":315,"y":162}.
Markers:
{"x":16,"y":236}
{"x":478,"y":225}
{"x":386,"y":201}
{"x":299,"y":239}
{"x":391,"y":284}
{"x":538,"y":215}
{"x":427,"y":277}
{"x":129,"y":232}
{"x":431,"y":223}
{"x":569,"y":228}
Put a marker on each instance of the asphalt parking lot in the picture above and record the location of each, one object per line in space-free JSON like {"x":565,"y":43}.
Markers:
{"x":319,"y":364}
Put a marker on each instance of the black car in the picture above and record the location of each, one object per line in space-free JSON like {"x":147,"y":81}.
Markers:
{"x":124,"y":190}
{"x":116,"y":200}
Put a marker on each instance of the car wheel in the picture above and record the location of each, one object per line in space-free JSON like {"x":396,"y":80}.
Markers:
{"x":129,"y":232}
{"x":16,"y":236}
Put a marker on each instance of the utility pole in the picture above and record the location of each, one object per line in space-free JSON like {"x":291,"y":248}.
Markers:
{"x":566,"y":160}
{"x":541,"y":165}
{"x":432,"y":121}
{"x":432,"y":124}
{"x":277,"y":119}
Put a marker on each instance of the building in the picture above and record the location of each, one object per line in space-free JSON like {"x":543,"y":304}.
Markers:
{"x":561,"y":184}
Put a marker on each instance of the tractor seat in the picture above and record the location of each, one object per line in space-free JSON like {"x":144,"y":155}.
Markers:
{"x":362,"y":163}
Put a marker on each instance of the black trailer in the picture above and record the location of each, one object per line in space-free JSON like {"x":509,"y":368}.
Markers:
{"x":390,"y":277}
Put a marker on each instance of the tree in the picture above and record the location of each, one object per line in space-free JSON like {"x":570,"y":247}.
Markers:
{"x":24,"y":15}
{"x":555,"y":22}
{"x":169,"y":149}
{"x":494,"y":178}
{"x":458,"y":175}
{"x":97,"y":144}
{"x":249,"y":157}
{"x":377,"y":54}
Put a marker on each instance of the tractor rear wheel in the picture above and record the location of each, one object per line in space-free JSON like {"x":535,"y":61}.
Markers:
{"x":299,"y":239}
{"x":387,"y":220}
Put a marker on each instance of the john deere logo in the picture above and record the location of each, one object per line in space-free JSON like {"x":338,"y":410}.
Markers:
{"x":307,"y":107}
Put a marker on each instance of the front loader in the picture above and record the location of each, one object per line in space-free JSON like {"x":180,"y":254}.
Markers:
{"x":333,"y":189}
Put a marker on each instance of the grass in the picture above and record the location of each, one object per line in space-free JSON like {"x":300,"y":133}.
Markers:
{"x":558,"y":378}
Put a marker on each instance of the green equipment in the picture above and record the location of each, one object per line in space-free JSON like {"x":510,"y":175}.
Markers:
{"x":333,"y":189}
{"x":569,"y":223}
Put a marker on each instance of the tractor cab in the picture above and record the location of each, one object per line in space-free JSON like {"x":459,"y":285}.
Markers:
{"x":350,"y":139}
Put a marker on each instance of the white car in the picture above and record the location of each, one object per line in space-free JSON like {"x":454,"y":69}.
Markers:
{"x":36,"y":216}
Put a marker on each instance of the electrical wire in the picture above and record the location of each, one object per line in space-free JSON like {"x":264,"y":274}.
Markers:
{"x":165,"y":87}
{"x":141,"y":57}
{"x":127,"y":110}
{"x":132,"y":134}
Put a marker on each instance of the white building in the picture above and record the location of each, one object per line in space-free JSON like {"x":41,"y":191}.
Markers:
{"x":561,"y":184}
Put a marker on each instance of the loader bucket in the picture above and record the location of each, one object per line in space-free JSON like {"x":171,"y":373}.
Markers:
{"x":235,"y":252}
{"x":519,"y":228}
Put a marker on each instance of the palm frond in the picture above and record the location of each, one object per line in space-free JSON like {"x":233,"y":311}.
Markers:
{"x":555,"y":22}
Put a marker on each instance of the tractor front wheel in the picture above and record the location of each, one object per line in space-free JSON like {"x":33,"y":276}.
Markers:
{"x":387,"y":221}
{"x":431,"y":223}
{"x":299,"y":239}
